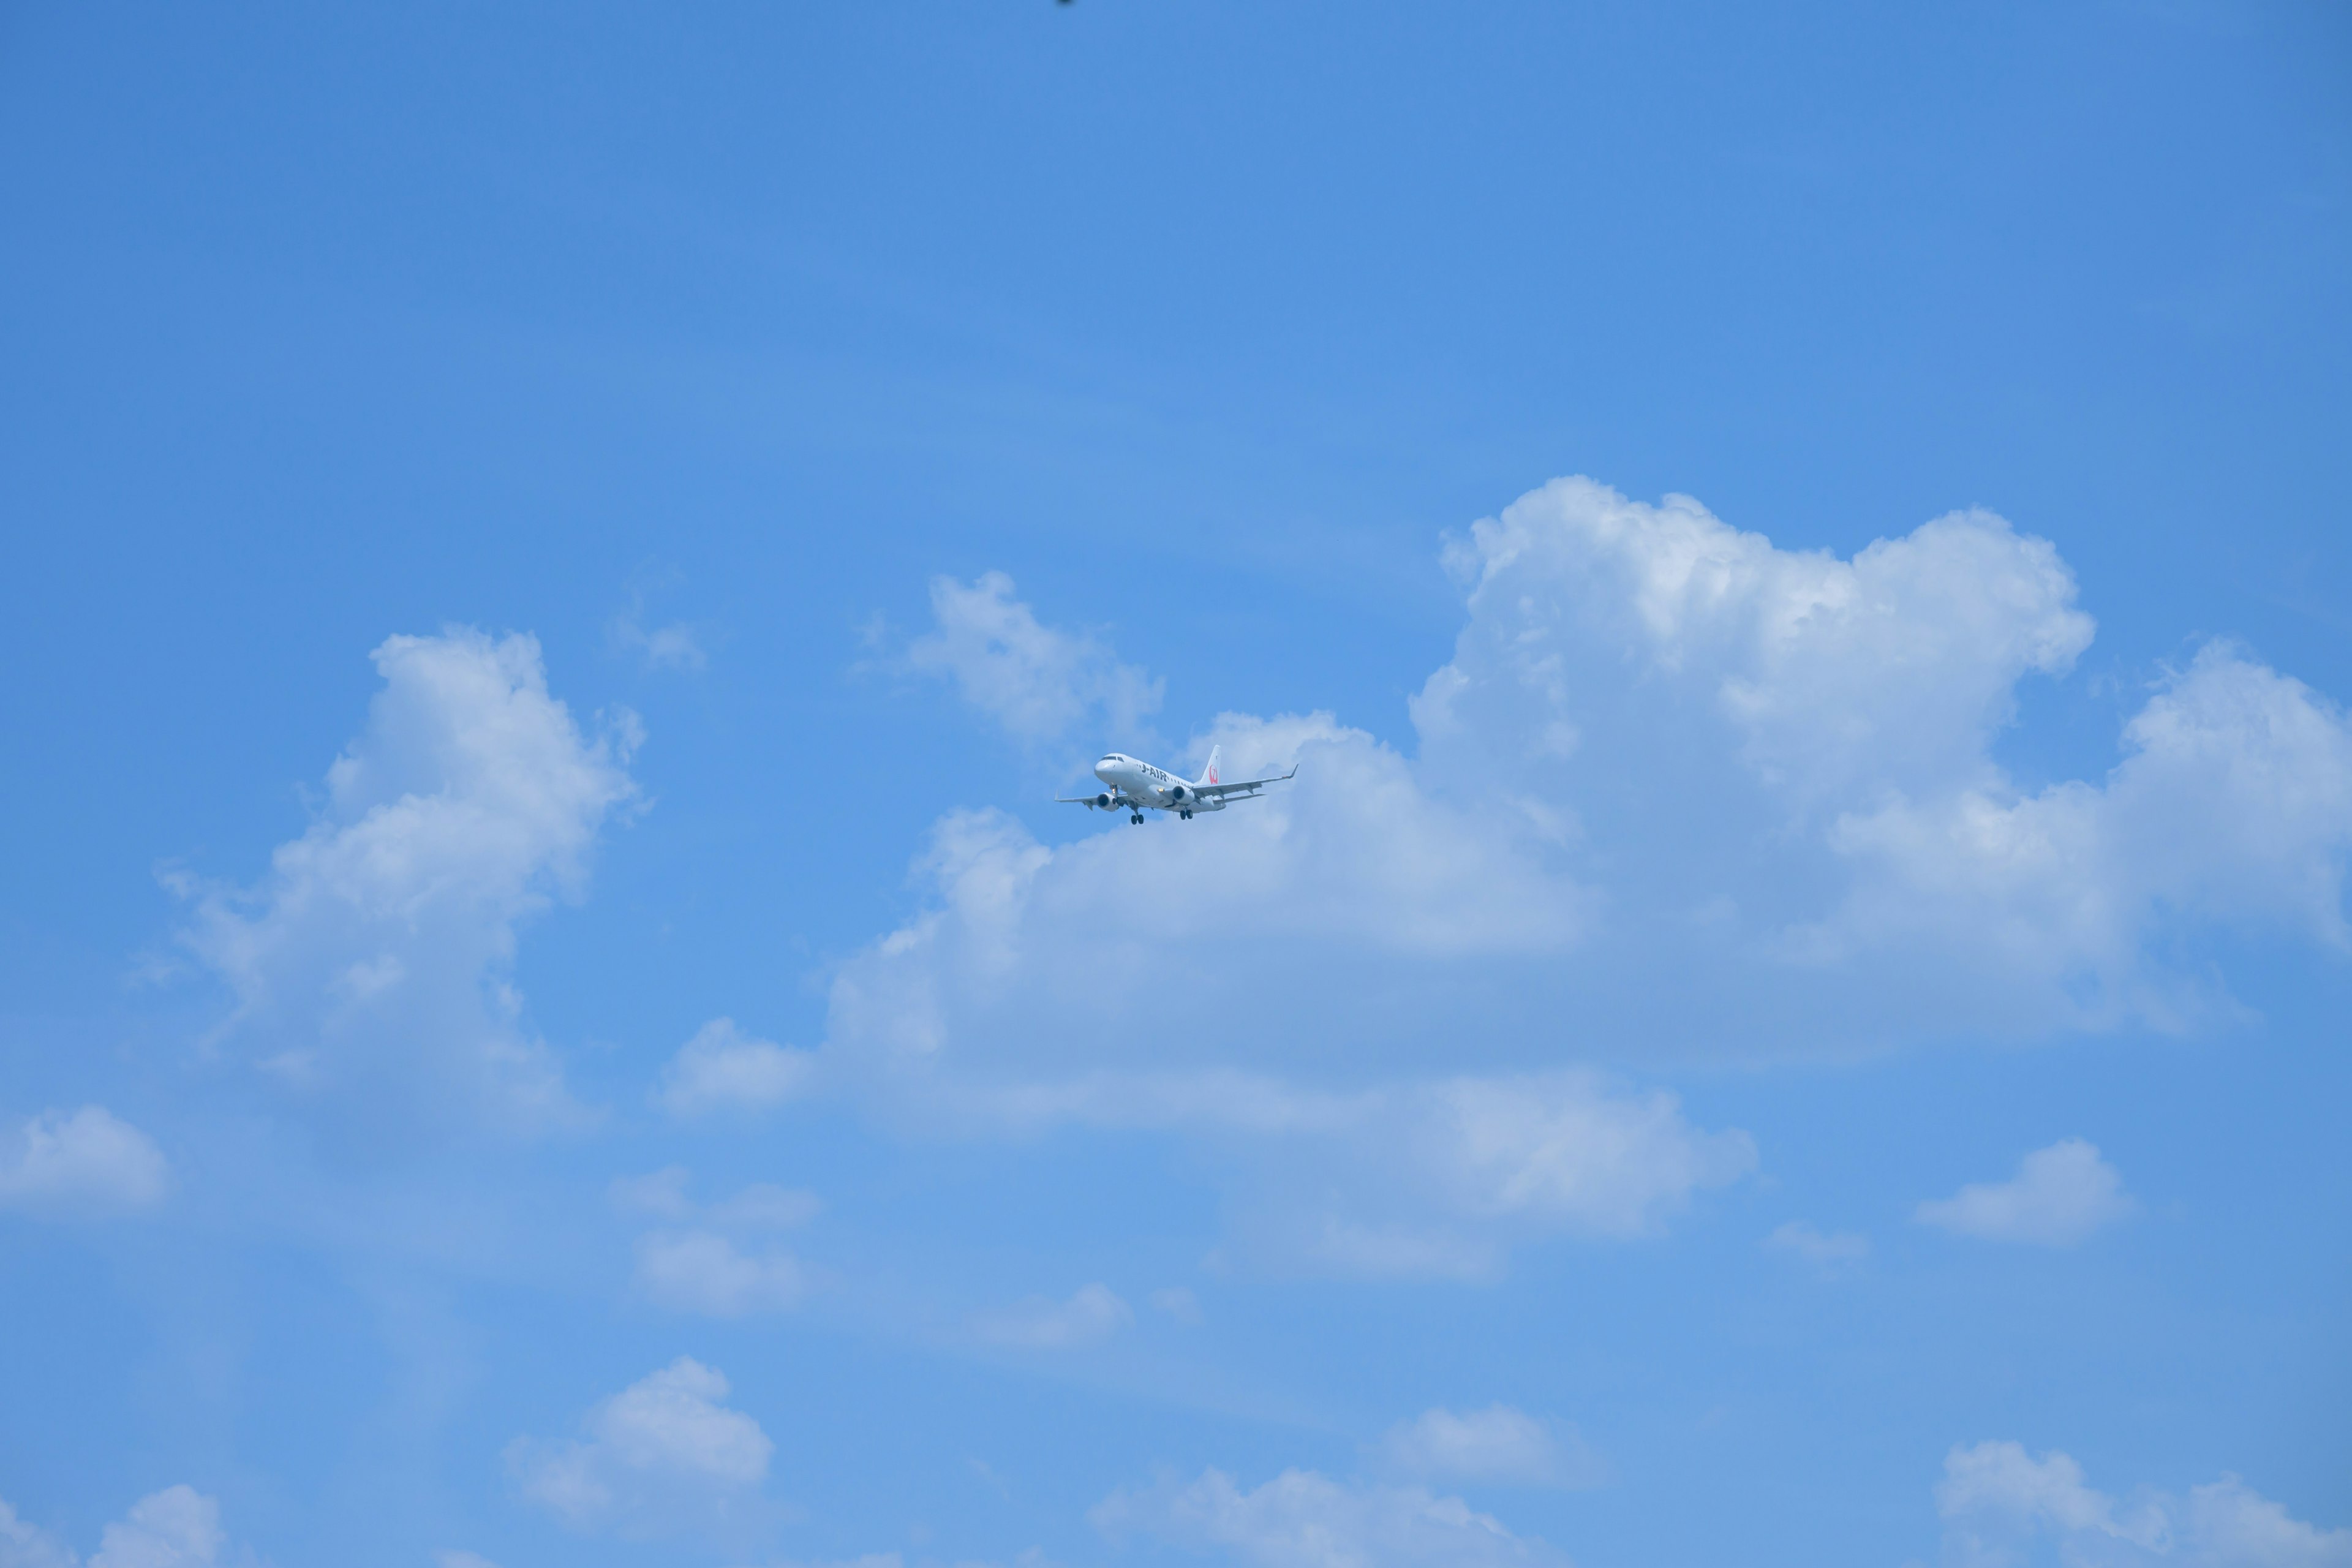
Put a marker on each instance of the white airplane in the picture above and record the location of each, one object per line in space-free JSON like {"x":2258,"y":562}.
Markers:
{"x":1136,"y":785}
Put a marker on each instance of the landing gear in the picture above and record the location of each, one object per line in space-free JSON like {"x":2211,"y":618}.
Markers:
{"x":1185,"y":814}
{"x":1137,"y":819}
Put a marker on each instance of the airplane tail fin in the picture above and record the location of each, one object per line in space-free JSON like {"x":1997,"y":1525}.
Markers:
{"x":1209,"y":773}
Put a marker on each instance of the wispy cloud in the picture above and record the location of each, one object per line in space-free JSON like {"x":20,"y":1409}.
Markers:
{"x":1827,"y":1250}
{"x":1497,"y":1444}
{"x":1089,"y":1317}
{"x":1040,"y":684}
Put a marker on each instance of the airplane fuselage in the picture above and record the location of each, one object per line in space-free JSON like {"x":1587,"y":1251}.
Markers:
{"x":1134,"y":786}
{"x":1136,"y":781}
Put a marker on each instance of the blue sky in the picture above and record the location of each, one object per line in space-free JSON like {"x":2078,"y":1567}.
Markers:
{"x":1794,"y":1012}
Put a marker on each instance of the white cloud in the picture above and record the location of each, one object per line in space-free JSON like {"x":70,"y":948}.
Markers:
{"x":178,"y":1526}
{"x":1803,"y":746}
{"x":1411,"y":1178}
{"x":1563,"y":1147}
{"x":372,"y":966}
{"x":1439,"y":1178}
{"x":1090,"y":1316}
{"x":2059,"y":1196}
{"x":1772,"y":769}
{"x":1024,"y":996}
{"x":1829,"y":1250}
{"x":673,"y":646}
{"x":1040,"y":684}
{"x":721,"y":1067}
{"x":703,"y":1272}
{"x":1998,"y":1502}
{"x":1497,"y":1444}
{"x":1679,"y":793}
{"x":2232,"y":803}
{"x":663,"y":1454}
{"x":24,"y":1546}
{"x":1302,"y":1519}
{"x":1826,"y":678}
{"x":461,"y":1560}
{"x":90,"y":1163}
{"x":706,"y":1268}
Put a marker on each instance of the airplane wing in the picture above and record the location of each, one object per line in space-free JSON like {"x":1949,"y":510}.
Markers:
{"x":1244,"y":786}
{"x":1080,"y":799}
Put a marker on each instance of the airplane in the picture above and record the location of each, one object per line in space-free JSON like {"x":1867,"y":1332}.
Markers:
{"x":1137,"y":785}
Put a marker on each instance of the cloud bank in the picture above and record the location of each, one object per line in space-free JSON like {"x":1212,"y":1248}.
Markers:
{"x":1679,"y":794}
{"x":1678,"y":791}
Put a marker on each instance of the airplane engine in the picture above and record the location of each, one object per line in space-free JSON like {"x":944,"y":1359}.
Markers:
{"x":1176,"y":791}
{"x":1100,"y":800}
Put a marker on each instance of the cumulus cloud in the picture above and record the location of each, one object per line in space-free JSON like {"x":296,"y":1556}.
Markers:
{"x":2233,"y":803}
{"x":372,"y":966}
{"x":1821,"y":679}
{"x":1091,"y":1315}
{"x":1679,"y":793}
{"x":1023,"y":996}
{"x":1823,"y":1249}
{"x":1497,"y":1444}
{"x":1302,"y":1519}
{"x":663,"y":1455}
{"x":178,"y":1526}
{"x":90,"y":1163}
{"x":1796,"y":751}
{"x":1773,"y":770}
{"x":2059,"y":1196}
{"x":1040,"y":684}
{"x":966,"y":1016}
{"x":723,"y":1068}
{"x":1998,"y":1502}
